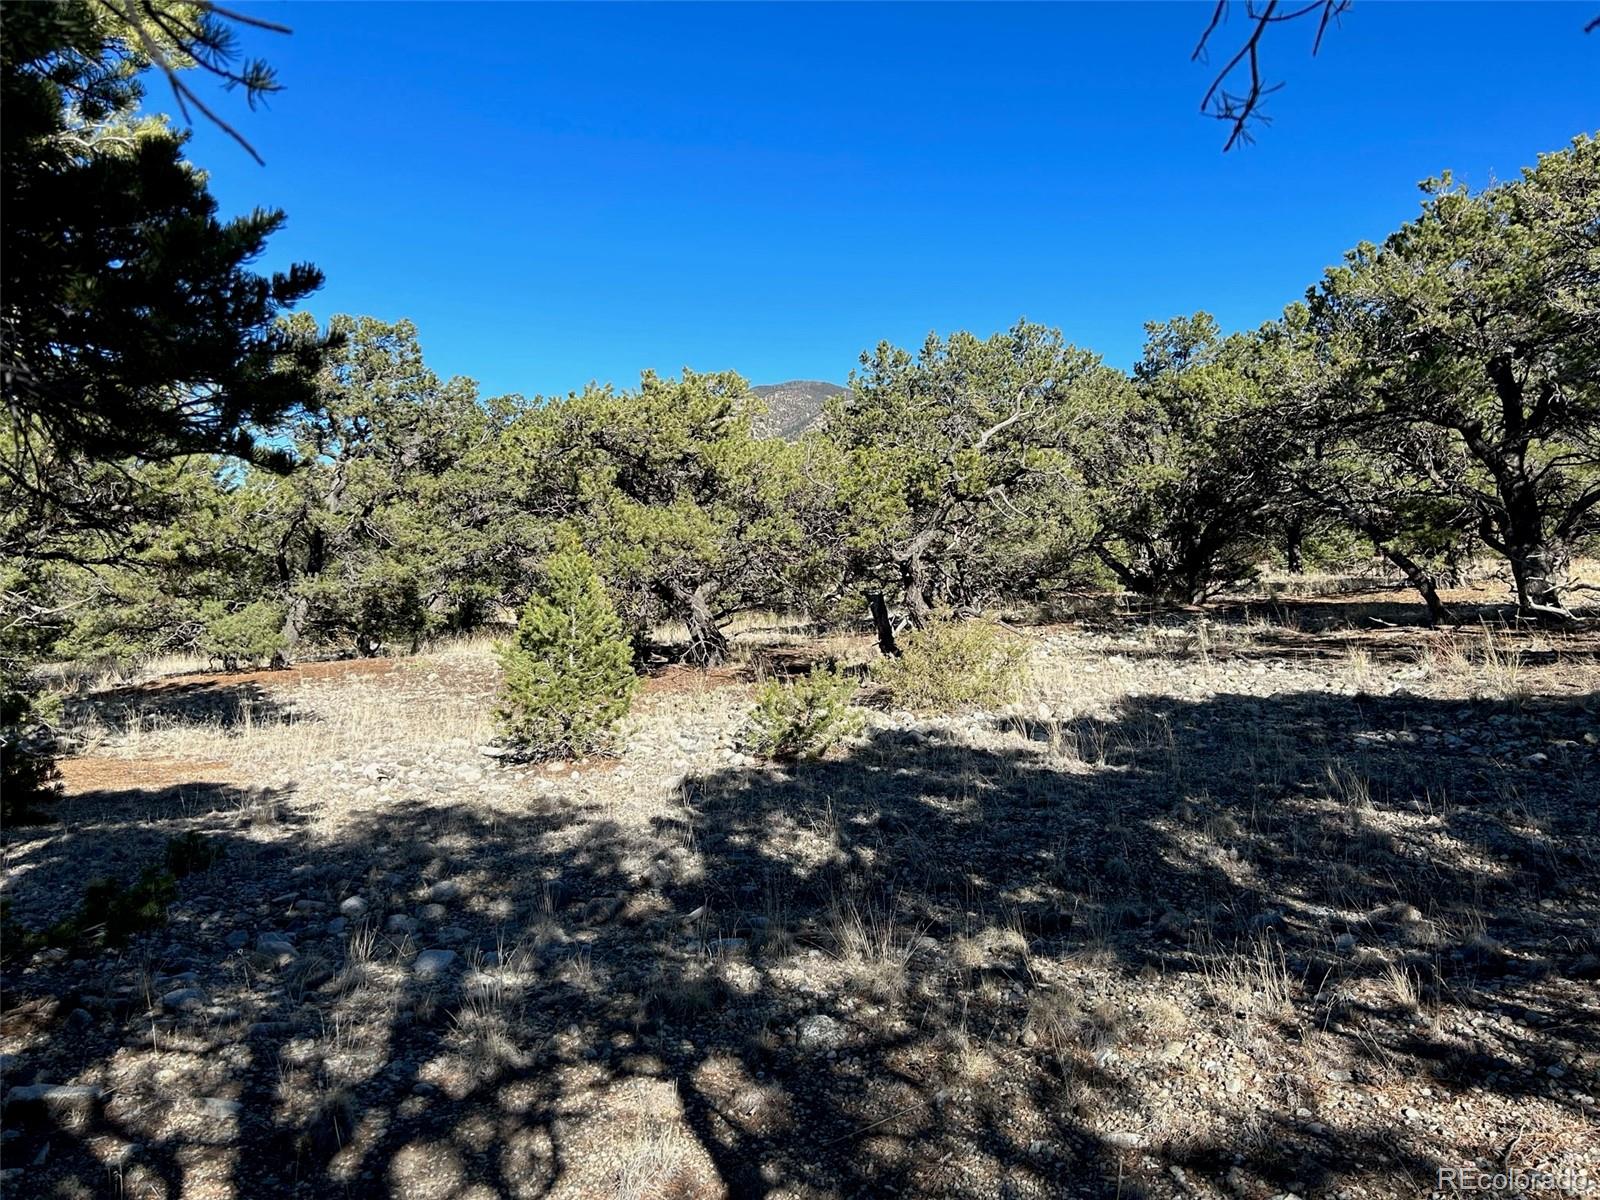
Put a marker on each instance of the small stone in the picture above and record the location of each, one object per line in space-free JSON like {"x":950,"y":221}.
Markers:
{"x":276,"y":946}
{"x":432,"y":963}
{"x":433,"y":912}
{"x":400,"y":923}
{"x":1339,"y":1077}
{"x":237,"y":940}
{"x":445,"y":889}
{"x":353,"y":907}
{"x":183,"y":1000}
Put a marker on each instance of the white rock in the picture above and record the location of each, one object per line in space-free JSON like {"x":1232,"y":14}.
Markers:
{"x":820,"y":1032}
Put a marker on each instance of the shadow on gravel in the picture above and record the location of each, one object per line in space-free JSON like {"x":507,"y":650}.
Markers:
{"x":932,"y":966}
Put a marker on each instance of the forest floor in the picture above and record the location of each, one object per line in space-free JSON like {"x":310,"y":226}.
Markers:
{"x":1253,"y":903}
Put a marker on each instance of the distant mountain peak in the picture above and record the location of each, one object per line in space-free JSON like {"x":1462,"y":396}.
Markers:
{"x":793,"y":408}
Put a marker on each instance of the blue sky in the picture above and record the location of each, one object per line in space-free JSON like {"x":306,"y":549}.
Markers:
{"x":564,"y":193}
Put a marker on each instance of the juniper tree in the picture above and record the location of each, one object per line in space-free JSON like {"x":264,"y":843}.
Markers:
{"x":1384,"y":495}
{"x":362,"y":541}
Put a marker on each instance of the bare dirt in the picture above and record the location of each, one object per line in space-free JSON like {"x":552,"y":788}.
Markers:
{"x":1253,"y":903}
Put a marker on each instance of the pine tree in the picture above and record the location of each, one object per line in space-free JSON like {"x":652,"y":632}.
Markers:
{"x":568,"y":670}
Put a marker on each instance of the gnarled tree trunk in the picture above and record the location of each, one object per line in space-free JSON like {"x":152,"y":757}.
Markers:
{"x":1533,"y":567}
{"x":914,"y":576}
{"x":1294,"y":539}
{"x":708,"y":646}
{"x":1418,"y":578}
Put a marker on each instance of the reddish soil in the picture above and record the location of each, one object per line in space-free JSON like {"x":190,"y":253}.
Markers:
{"x":286,"y":677}
{"x":83,"y":774}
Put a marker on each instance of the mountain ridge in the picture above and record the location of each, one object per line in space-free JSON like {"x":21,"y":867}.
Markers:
{"x":794,"y":407}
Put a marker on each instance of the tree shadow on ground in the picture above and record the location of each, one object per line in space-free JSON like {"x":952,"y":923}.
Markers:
{"x":1198,"y":945}
{"x":214,"y":702}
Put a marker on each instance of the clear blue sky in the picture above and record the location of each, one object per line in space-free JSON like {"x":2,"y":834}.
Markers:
{"x":557,"y":194}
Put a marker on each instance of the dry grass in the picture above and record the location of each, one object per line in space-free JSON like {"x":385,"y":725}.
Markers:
{"x":317,"y":726}
{"x":874,"y":949}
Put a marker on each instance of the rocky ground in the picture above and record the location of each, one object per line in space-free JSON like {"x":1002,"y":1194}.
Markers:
{"x":1231,"y":905}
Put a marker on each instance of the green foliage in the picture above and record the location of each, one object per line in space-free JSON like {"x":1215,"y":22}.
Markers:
{"x":945,"y":452}
{"x":1462,"y":357}
{"x":28,"y":775}
{"x":111,"y":911}
{"x":369,"y":537}
{"x":109,"y":238}
{"x":950,"y":666}
{"x":249,"y":635}
{"x":804,"y":718}
{"x":29,"y":779}
{"x":687,"y":513}
{"x":568,"y":670}
{"x":1174,"y":468}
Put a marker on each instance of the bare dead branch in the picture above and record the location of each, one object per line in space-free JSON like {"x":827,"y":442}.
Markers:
{"x":1240,"y":108}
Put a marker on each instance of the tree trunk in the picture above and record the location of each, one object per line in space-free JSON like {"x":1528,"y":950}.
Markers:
{"x":1438,"y":614}
{"x":914,"y":576}
{"x":1416,"y":576}
{"x":1518,"y":517}
{"x":294,"y":623}
{"x":880,"y":622}
{"x":1531,"y":558}
{"x":1294,"y":537}
{"x":708,"y":647}
{"x":916,"y":595}
{"x":915,"y":572}
{"x":1130,"y":579}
